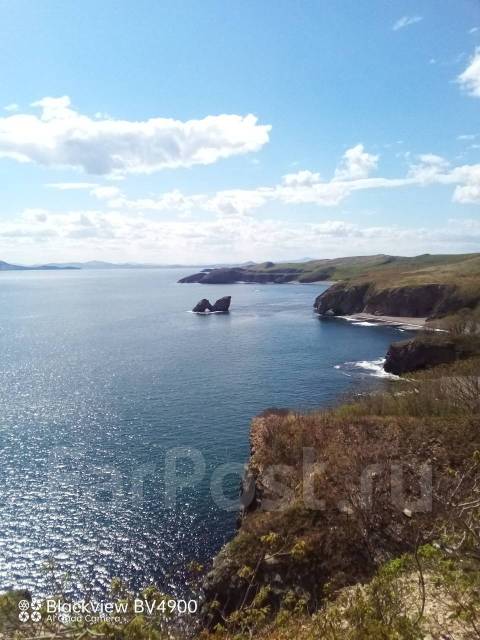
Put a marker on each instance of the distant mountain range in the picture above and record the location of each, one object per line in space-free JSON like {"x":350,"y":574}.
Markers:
{"x":6,"y":266}
{"x":61,"y":266}
{"x":94,"y":264}
{"x":100,"y":264}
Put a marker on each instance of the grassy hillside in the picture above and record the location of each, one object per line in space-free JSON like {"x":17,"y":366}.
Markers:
{"x":461,"y":269}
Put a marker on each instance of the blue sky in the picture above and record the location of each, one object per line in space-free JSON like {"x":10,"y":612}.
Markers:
{"x":126,"y":134}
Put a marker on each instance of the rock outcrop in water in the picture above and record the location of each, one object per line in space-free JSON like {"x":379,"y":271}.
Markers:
{"x":202,"y":306}
{"x":413,"y":301}
{"x":222,"y":305}
{"x":409,"y":355}
{"x":424,"y":352}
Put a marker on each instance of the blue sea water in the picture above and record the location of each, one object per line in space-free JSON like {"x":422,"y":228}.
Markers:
{"x":104,"y":373}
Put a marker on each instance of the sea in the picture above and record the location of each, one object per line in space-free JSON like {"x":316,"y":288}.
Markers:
{"x":124,"y":417}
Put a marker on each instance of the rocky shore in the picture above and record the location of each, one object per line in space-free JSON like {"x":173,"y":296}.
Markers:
{"x":409,"y":306}
{"x":426,"y":351}
{"x":393,"y":321}
{"x":419,"y":301}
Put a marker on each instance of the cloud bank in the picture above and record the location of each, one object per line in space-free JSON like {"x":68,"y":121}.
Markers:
{"x":60,"y":136}
{"x":114,"y":235}
{"x":308,"y":187}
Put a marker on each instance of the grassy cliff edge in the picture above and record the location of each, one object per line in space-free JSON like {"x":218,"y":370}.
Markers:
{"x":371,"y":493}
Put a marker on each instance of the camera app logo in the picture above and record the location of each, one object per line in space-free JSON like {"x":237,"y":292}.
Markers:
{"x":24,"y":606}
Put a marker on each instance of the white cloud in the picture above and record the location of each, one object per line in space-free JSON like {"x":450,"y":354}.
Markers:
{"x":60,"y":136}
{"x":231,"y":202}
{"x":35,"y":215}
{"x":466,"y":136}
{"x":406,"y":21}
{"x":473,"y":30}
{"x":468,"y":189}
{"x":125,"y":228}
{"x":428,"y":169}
{"x":469,"y":79}
{"x":306,"y":187}
{"x":106,"y":193}
{"x":356,"y":164}
{"x":170,"y":201}
{"x":467,"y":194}
{"x":301,"y":179}
{"x":237,"y":202}
{"x":11,"y":107}
{"x":114,"y":235}
{"x":71,"y":186}
{"x":325,"y":194}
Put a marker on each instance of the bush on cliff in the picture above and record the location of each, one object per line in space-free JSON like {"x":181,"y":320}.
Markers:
{"x":425,"y":594}
{"x":412,"y":434}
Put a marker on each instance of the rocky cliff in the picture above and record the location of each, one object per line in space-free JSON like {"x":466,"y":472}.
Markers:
{"x":318,"y":508}
{"x":422,"y":300}
{"x":342,"y":299}
{"x":427,"y":351}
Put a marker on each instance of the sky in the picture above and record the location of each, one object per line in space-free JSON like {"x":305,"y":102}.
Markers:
{"x":195,"y":132}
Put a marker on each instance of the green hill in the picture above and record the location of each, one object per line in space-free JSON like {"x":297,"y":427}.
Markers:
{"x":426,"y":268}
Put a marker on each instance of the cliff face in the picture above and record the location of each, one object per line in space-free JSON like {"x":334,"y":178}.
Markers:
{"x":424,"y":352}
{"x":330,"y":519}
{"x":426,"y":300}
{"x":331,"y":495}
{"x":342,"y":299}
{"x":410,"y":355}
{"x":415,"y":301}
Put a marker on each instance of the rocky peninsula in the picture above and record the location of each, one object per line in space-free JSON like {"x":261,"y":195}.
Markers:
{"x":423,"y":269}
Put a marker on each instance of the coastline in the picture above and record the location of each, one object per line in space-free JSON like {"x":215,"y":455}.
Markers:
{"x":403,"y":322}
{"x":289,"y":546}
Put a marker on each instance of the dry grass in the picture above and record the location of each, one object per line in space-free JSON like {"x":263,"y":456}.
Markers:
{"x":358,"y":450}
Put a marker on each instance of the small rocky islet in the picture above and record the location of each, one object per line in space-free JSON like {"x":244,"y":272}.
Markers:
{"x":222,"y":305}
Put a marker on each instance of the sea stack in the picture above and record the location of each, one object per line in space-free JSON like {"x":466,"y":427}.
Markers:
{"x":202,"y":306}
{"x":222,"y":305}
